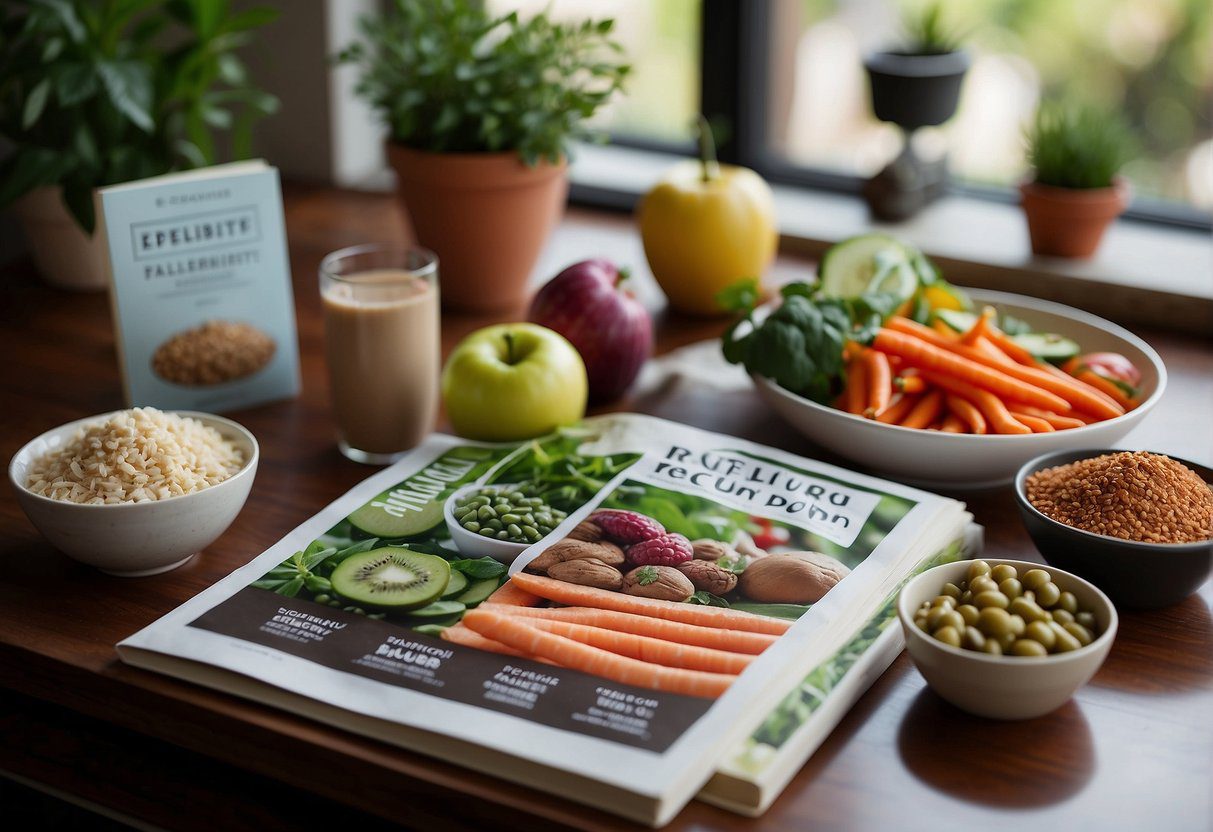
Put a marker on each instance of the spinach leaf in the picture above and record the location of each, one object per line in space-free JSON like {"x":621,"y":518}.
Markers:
{"x":479,"y":568}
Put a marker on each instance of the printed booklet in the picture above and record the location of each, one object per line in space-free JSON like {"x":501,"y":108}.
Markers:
{"x":681,"y":610}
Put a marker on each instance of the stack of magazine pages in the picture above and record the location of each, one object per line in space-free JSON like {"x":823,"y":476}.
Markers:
{"x":629,"y":614}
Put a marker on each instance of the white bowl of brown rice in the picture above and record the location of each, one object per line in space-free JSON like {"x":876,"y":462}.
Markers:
{"x":136,"y":492}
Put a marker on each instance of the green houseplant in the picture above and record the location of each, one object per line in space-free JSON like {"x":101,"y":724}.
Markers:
{"x":480,"y":112}
{"x":1076,"y":152}
{"x":96,"y":92}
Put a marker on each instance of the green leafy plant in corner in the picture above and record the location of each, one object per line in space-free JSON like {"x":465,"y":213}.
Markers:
{"x":1072,"y":145}
{"x":448,"y":77}
{"x":928,"y":33}
{"x":96,"y":92}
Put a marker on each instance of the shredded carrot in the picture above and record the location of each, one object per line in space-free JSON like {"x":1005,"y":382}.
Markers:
{"x":856,"y":389}
{"x":878,"y":376}
{"x":585,"y":596}
{"x":1037,"y":424}
{"x":734,"y":641}
{"x":925,"y":412}
{"x":997,"y":416}
{"x":967,"y":413}
{"x":648,"y":649}
{"x":520,"y":635}
{"x":895,"y":412}
{"x":924,"y":352}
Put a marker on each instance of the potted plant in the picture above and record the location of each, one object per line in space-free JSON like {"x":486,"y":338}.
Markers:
{"x":480,"y":111}
{"x":1076,"y":152}
{"x":93,"y":94}
{"x":918,"y":84}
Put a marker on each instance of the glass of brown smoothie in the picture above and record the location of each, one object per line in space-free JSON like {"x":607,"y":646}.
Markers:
{"x":382,"y":345}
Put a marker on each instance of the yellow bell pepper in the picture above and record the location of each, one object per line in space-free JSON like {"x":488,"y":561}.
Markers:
{"x":706,"y":226}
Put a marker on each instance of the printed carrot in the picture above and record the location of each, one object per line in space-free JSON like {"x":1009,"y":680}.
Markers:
{"x":967,"y":413}
{"x":1065,"y":391}
{"x":924,"y":353}
{"x":518,"y":634}
{"x":998,"y":417}
{"x":1057,"y":420}
{"x":1037,"y":424}
{"x":878,"y":376}
{"x":925,"y":412}
{"x":857,"y":386}
{"x":584,"y":596}
{"x":510,"y":593}
{"x":895,"y":412}
{"x":459,"y":634}
{"x":734,"y":641}
{"x":648,"y":649}
{"x":953,"y":424}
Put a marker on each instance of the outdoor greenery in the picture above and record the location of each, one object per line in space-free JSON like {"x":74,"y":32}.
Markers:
{"x":928,"y":33}
{"x":1077,"y":145}
{"x":94,"y":93}
{"x":449,"y":77}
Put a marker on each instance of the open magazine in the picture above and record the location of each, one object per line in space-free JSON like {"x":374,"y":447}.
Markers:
{"x":676,"y":602}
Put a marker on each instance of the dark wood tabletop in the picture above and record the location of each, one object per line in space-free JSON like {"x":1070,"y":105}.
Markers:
{"x":1132,"y":750}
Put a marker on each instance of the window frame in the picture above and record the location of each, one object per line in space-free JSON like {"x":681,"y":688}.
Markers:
{"x":734,"y":95}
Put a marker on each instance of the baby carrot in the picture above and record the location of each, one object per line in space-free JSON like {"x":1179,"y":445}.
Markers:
{"x":997,"y":416}
{"x":968,"y":413}
{"x":655,"y":650}
{"x":925,"y":412}
{"x":733,"y":641}
{"x":1017,"y":353}
{"x":944,"y":330}
{"x":879,"y":379}
{"x":953,"y":424}
{"x":1107,"y":388}
{"x":518,"y":634}
{"x":926,"y":355}
{"x":1057,"y":420}
{"x":857,"y":386}
{"x":585,"y":596}
{"x":909,"y":384}
{"x":1037,"y":424}
{"x":895,"y":412}
{"x":979,"y":329}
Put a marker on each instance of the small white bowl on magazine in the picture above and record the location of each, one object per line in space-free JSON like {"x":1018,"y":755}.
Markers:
{"x":134,"y":539}
{"x":473,"y":544}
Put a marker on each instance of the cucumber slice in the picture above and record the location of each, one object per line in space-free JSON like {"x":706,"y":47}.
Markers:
{"x":1047,"y":346}
{"x":478,"y":591}
{"x":438,"y":609}
{"x":457,"y":584}
{"x":955,"y":319}
{"x":897,"y":279}
{"x":849,"y":268}
{"x":388,"y":518}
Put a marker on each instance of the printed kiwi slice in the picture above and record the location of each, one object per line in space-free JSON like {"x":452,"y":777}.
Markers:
{"x":391,"y":578}
{"x":386,"y":516}
{"x":457,"y":584}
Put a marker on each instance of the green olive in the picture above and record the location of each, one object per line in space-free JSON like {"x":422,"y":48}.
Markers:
{"x":994,"y":621}
{"x":948,"y":635}
{"x":978,"y":568}
{"x":1068,"y":602}
{"x":991,"y":599}
{"x":1041,"y":632}
{"x":1003,"y":571}
{"x":1079,"y":632}
{"x":1066,"y":641}
{"x":1028,"y":647}
{"x":982,"y":584}
{"x":1025,"y":609}
{"x":973,"y":639}
{"x":951,"y":590}
{"x":969,"y":613}
{"x":1033,"y":578}
{"x":1011,"y":587}
{"x":1047,"y":594}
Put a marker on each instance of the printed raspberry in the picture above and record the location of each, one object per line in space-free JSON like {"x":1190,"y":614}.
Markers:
{"x":626,"y":527}
{"x":667,"y":550}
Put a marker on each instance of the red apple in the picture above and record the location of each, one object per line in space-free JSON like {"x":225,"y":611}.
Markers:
{"x":588,"y":304}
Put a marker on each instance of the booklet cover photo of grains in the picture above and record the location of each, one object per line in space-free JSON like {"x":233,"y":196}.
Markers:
{"x":677,"y":604}
{"x":201,"y":288}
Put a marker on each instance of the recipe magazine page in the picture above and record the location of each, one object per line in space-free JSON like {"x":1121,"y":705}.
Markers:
{"x":668,"y":589}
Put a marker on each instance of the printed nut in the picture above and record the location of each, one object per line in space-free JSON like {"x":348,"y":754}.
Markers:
{"x":708,"y":577}
{"x":792,"y":578}
{"x":664,"y":583}
{"x":706,"y":549}
{"x":569,"y":549}
{"x":587,"y":572}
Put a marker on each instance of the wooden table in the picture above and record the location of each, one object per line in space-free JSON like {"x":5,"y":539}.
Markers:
{"x":1133,"y":748}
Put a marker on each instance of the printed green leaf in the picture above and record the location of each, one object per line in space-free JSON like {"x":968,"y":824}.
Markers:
{"x":479,"y":568}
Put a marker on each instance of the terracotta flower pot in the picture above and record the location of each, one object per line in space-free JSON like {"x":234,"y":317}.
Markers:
{"x":65,"y":256}
{"x":486,"y":215}
{"x":1070,"y":222}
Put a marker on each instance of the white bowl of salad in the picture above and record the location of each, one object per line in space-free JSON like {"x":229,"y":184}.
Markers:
{"x":885,"y":363}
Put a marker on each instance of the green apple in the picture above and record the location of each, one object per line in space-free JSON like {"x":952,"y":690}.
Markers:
{"x":513,"y":381}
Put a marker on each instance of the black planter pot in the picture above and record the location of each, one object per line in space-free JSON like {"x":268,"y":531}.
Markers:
{"x":915,"y":91}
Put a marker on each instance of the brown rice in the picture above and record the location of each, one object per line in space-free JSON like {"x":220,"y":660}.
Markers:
{"x":212,"y":353}
{"x":1140,"y":496}
{"x":135,"y":456}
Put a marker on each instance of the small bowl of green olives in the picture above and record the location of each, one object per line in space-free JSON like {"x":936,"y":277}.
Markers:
{"x":498,"y":521}
{"x":1005,"y":639}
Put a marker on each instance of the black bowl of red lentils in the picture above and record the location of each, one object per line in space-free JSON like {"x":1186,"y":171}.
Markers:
{"x":1138,"y":525}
